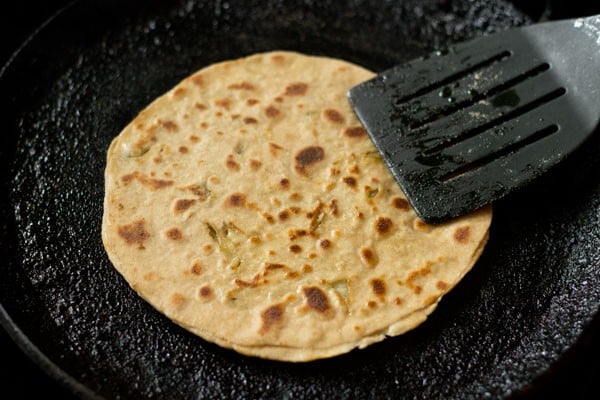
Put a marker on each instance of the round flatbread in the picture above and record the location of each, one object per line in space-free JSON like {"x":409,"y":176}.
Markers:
{"x":249,"y":206}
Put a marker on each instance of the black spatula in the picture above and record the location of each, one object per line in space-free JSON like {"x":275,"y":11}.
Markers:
{"x":462,"y":128}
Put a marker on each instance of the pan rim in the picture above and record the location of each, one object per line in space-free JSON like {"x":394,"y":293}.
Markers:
{"x":34,"y":34}
{"x":25,"y":344}
{"x":42,"y":361}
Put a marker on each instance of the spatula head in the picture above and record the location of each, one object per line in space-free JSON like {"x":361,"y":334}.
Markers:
{"x":462,"y":128}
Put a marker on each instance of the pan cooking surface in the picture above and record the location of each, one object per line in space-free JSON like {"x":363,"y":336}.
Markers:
{"x":72,"y":89}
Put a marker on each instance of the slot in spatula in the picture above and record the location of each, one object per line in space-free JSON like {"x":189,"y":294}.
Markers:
{"x":462,"y":128}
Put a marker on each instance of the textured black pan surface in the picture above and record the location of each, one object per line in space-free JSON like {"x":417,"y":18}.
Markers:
{"x":72,"y":89}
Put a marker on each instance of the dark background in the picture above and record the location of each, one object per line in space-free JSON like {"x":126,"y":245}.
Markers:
{"x":574,"y":377}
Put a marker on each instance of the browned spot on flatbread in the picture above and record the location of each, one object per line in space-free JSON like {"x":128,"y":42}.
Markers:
{"x":316,"y":217}
{"x":333,"y":116}
{"x":296,"y":196}
{"x":254,"y":164}
{"x":306,"y":268}
{"x":278,"y":58}
{"x":205,"y":292}
{"x":398,"y":301}
{"x":441,"y":285}
{"x":152,"y":183}
{"x":272,"y":111}
{"x":275,"y":149}
{"x":182,"y":204}
{"x":333,"y":205}
{"x":284,"y":183}
{"x":368,"y":256}
{"x":283,"y":215}
{"x":296,"y":89}
{"x":243,"y":284}
{"x":293,"y":234}
{"x":270,"y":316}
{"x":201,"y":191}
{"x":316,"y":299}
{"x":183,"y":149}
{"x":224,"y":103}
{"x":126,"y":179}
{"x":177,"y":299}
{"x":325,"y":244}
{"x":371,"y":304}
{"x":378,"y":287}
{"x":400,"y":203}
{"x":355,"y":132}
{"x":169,"y":125}
{"x":231,"y":164}
{"x":417,"y":274}
{"x":274,"y":266}
{"x":350,"y":181}
{"x":251,"y":102}
{"x":196,"y":268}
{"x":134,"y":233}
{"x":236,"y":200}
{"x":241,"y":86}
{"x":250,"y":120}
{"x":279,"y":99}
{"x":383,"y":225}
{"x":292,"y":275}
{"x":295,"y":248}
{"x":174,"y":234}
{"x":200,"y":106}
{"x":197,"y":80}
{"x":255,"y":282}
{"x":150,"y":276}
{"x":268,"y":217}
{"x":179,"y":92}
{"x":461,"y":234}
{"x":421,"y":225}
{"x":307,"y":158}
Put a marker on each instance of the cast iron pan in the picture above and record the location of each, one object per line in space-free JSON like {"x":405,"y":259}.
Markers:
{"x":92,"y":68}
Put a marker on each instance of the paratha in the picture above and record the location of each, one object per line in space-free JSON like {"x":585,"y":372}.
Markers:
{"x":249,"y":206}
